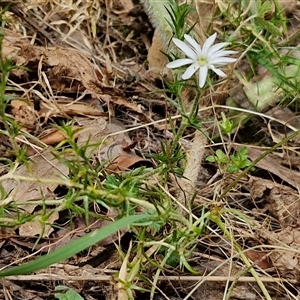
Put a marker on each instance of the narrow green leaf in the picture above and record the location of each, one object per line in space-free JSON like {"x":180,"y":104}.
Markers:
{"x":74,"y":247}
{"x":269,"y":26}
{"x":264,"y":8}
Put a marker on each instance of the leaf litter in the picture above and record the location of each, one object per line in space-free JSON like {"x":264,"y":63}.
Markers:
{"x":82,"y":80}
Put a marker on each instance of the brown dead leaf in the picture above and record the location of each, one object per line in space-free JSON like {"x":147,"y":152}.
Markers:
{"x":92,"y":133}
{"x":122,"y":6}
{"x":282,"y":201}
{"x":56,"y":136}
{"x":15,"y":291}
{"x":43,"y":165}
{"x":128,"y":147}
{"x":66,"y":70}
{"x":126,"y":162}
{"x":24,"y":114}
{"x":114,"y":141}
{"x":69,"y":108}
{"x":132,"y":106}
{"x":259,"y":258}
{"x":275,"y":164}
{"x":69,"y":67}
{"x":157,"y":60}
{"x":36,"y":227}
{"x":69,"y":70}
{"x":284,"y":114}
{"x":106,"y":138}
{"x":286,"y":260}
{"x":18,"y":48}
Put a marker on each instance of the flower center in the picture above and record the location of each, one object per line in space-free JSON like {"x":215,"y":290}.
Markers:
{"x":202,"y":61}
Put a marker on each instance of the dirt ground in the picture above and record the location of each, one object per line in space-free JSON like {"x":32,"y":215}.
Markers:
{"x":98,"y":66}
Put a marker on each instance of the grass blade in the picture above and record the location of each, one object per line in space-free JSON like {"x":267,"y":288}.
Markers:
{"x":73,"y":248}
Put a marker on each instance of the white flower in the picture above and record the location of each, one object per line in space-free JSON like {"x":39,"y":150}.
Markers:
{"x":205,"y":58}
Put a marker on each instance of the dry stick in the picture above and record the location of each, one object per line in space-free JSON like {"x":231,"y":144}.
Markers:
{"x":120,"y":286}
{"x":192,"y":169}
{"x":52,"y":277}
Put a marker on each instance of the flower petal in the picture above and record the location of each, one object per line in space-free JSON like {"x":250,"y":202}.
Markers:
{"x":193,"y":43}
{"x":185,"y":48}
{"x":221,"y":60}
{"x":189,"y":72}
{"x":218,"y":71}
{"x":202,"y":75}
{"x":208,"y":43}
{"x":222,"y":53}
{"x":216,"y":47}
{"x":179,"y":63}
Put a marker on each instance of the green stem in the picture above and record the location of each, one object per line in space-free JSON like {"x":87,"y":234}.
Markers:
{"x":184,"y":124}
{"x":193,"y":111}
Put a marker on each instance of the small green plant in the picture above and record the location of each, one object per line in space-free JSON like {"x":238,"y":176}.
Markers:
{"x":233,"y":163}
{"x":226,"y":125}
{"x":178,"y":14}
{"x":65,"y":293}
{"x":264,"y":26}
{"x":8,"y":126}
